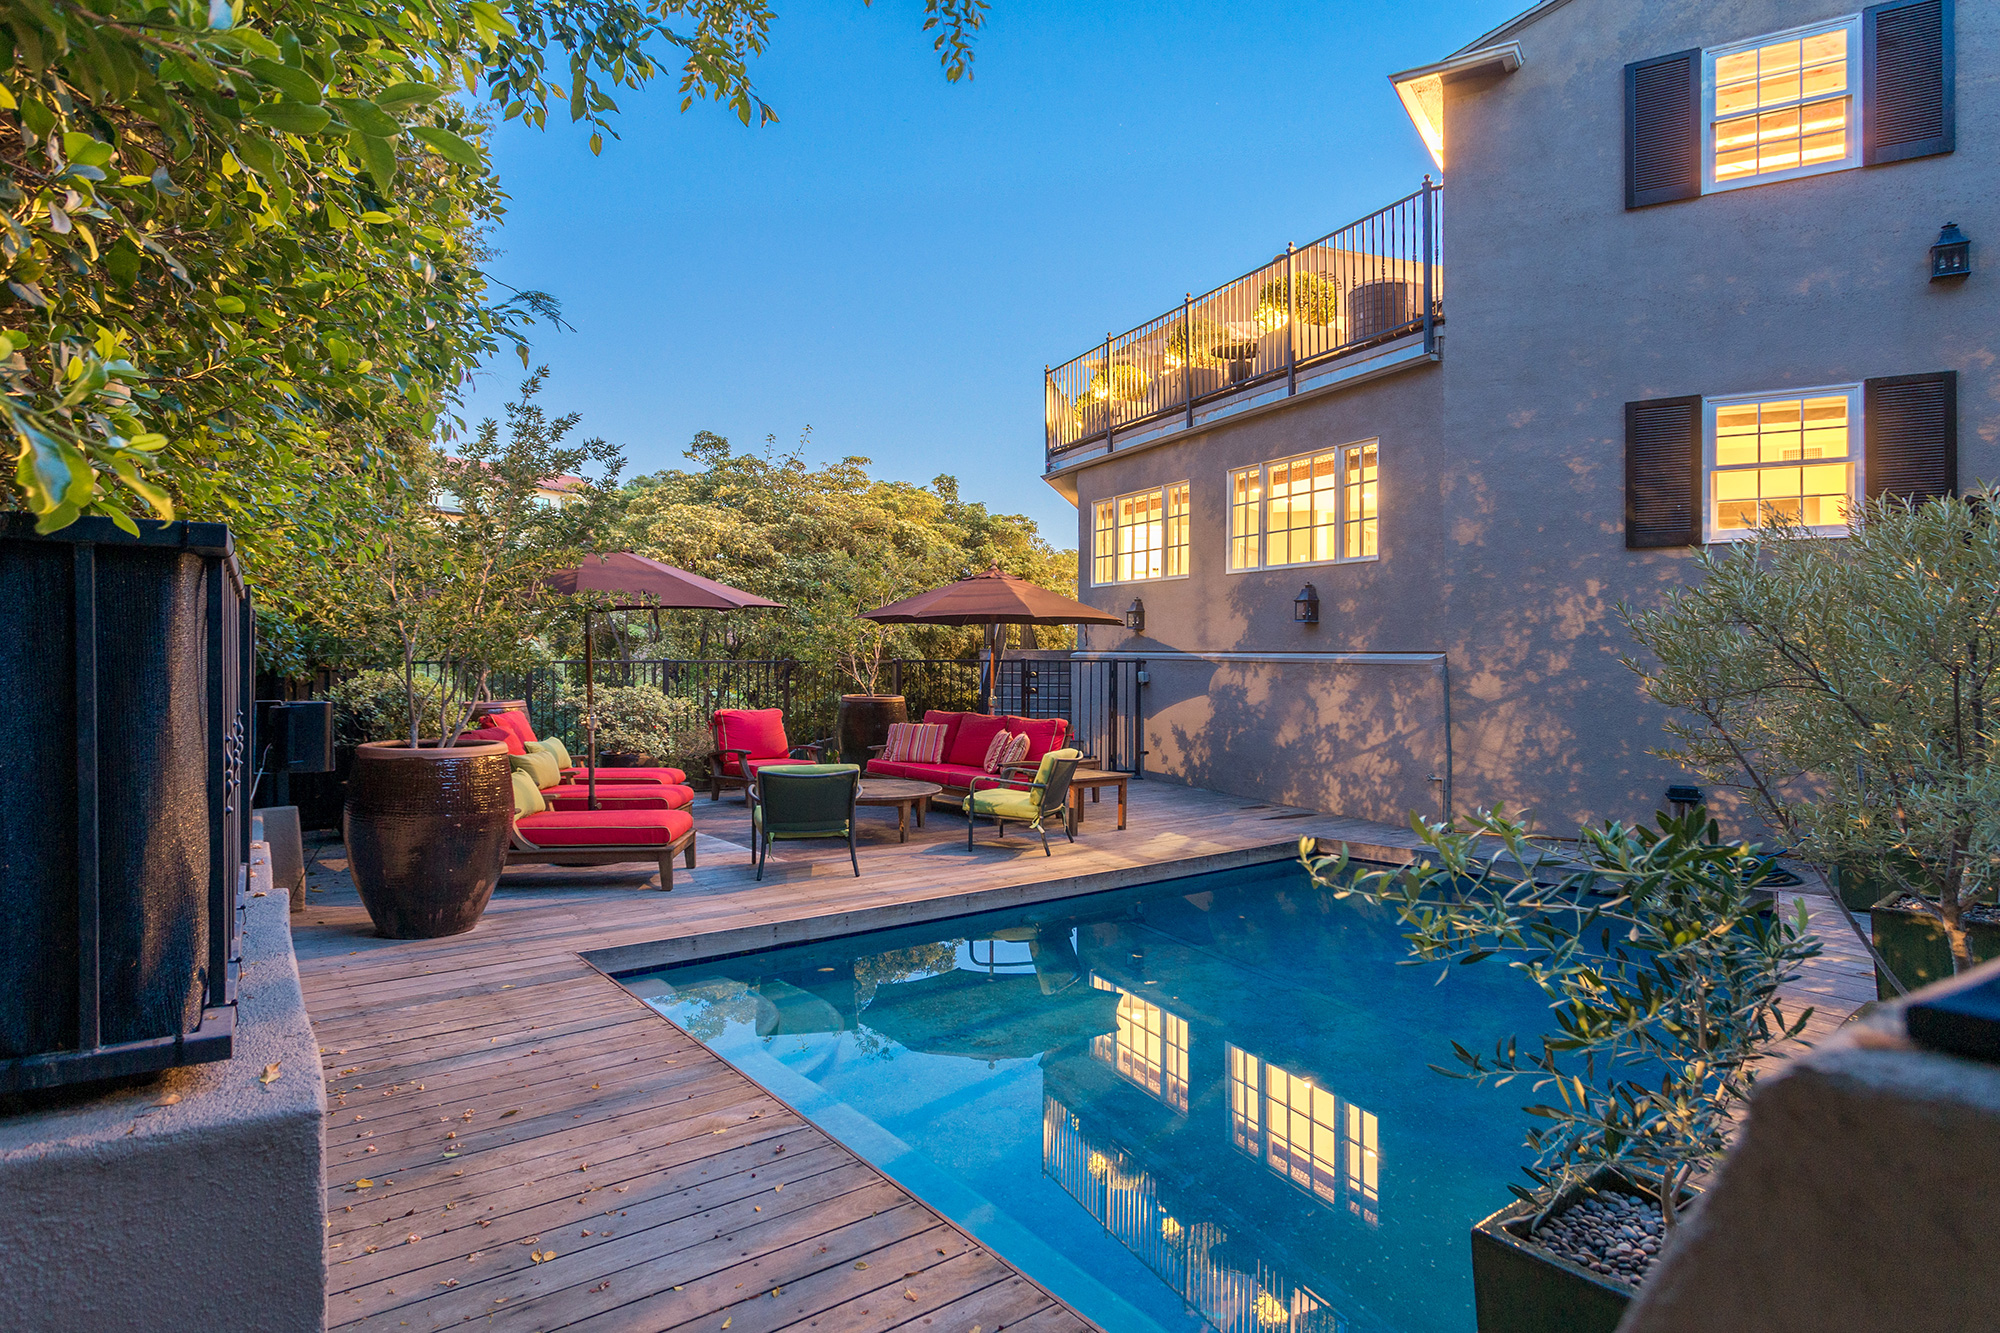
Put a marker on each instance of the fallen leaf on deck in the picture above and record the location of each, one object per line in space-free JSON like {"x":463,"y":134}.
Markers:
{"x":168,"y":1100}
{"x":412,"y":1238}
{"x":861,"y":1263}
{"x":270,"y":1075}
{"x":505,"y":1114}
{"x":364,"y":1184}
{"x":909,"y":1295}
{"x":777,"y":1189}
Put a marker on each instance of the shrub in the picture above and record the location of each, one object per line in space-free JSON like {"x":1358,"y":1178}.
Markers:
{"x":373,"y":706}
{"x":1124,"y":383}
{"x":1193,"y":343}
{"x":1317,"y":301}
{"x":639,"y":719}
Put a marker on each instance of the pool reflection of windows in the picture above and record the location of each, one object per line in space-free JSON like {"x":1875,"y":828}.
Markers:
{"x":1325,"y":1146}
{"x":1150,"y":1047}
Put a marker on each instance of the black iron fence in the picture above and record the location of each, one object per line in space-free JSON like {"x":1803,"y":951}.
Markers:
{"x":1369,"y":283}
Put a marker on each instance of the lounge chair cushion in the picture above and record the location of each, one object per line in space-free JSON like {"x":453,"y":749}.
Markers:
{"x":945,"y":775}
{"x":672,"y":776}
{"x":528,"y":798}
{"x":540,"y":766}
{"x":761,"y":731}
{"x":555,"y":749}
{"x":495,"y":734}
{"x":512,"y":720}
{"x":619,"y":796}
{"x":1043,"y":733}
{"x":970,"y":742}
{"x":604,"y":828}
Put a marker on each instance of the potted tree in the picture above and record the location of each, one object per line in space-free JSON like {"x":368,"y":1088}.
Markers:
{"x":1842,"y":687}
{"x":1662,"y":970}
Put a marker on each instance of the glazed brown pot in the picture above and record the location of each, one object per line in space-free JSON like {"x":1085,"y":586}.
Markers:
{"x":427,"y":832}
{"x":864,"y":720}
{"x":624,"y":759}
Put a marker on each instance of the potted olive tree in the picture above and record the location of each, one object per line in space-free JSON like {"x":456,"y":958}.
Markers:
{"x":1662,"y":963}
{"x":1843,"y":687}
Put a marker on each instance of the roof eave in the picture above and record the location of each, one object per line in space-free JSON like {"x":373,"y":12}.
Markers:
{"x":1422,"y":89}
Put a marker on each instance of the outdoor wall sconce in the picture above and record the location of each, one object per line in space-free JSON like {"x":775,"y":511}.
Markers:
{"x":1684,"y":799}
{"x":1951,"y":257}
{"x":1135,"y":616}
{"x":1305,"y":607}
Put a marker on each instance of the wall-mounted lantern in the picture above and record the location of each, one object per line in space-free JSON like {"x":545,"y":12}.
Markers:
{"x":1951,"y":257}
{"x":1684,"y":799}
{"x":1305,"y":607}
{"x":1135,"y":616}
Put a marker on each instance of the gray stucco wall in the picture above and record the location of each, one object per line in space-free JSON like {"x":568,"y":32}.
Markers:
{"x":204,"y":1213}
{"x":1503,"y":468}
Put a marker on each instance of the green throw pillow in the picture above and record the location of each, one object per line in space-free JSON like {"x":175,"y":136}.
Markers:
{"x":537,"y":765}
{"x":527,"y":796}
{"x":553,"y":747}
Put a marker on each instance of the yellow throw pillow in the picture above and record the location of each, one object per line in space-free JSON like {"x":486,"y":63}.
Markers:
{"x":538,"y":765}
{"x":527,"y":796}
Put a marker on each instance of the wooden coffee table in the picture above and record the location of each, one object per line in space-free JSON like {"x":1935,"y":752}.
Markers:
{"x":905,"y":795}
{"x":1093,"y":779}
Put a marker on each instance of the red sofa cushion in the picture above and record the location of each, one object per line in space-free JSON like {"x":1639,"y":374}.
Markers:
{"x":506,"y":738}
{"x":604,"y":828}
{"x":671,"y":776}
{"x":1043,"y":733}
{"x":619,"y":796}
{"x":949,"y":721}
{"x":975,"y":734}
{"x":514,"y":720}
{"x":945,"y":775}
{"x":761,"y":731}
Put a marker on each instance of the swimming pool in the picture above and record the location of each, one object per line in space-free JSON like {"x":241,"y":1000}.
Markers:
{"x":1199,"y":1104}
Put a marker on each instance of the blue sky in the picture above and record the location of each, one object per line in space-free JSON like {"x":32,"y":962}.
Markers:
{"x":895,"y":261}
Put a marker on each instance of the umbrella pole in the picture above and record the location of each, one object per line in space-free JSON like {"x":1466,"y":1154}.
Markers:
{"x":590,"y":705}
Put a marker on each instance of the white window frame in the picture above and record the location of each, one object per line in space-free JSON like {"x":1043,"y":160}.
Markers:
{"x":1709,"y":56}
{"x":1857,"y":445}
{"x":1263,"y":471}
{"x":1167,"y":546}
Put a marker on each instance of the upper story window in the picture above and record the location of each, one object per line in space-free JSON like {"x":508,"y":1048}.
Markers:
{"x":1791,"y":458}
{"x":1783,"y":107}
{"x":1141,"y":536}
{"x":1319,"y":508}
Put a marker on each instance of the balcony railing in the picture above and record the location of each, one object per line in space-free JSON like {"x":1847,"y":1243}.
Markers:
{"x":1371,"y":283}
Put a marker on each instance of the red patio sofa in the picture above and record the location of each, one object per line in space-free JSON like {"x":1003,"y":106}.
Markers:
{"x":966,"y":739}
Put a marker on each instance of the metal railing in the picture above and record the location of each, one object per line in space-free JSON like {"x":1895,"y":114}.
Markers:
{"x":1369,"y":283}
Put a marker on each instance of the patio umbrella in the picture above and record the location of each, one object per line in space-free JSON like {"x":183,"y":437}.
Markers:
{"x":986,"y":1017}
{"x":664,"y":587}
{"x":991,"y":599}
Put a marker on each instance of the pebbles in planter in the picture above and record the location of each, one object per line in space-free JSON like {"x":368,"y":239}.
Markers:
{"x":1616,"y":1236}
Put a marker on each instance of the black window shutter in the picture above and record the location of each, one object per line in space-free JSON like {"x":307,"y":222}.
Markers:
{"x":1906,"y":80}
{"x":1663,"y":129}
{"x":1663,"y":473}
{"x":1912,"y":442}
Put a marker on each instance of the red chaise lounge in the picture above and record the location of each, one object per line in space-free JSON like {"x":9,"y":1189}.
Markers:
{"x":967,"y":736}
{"x":542,"y":836}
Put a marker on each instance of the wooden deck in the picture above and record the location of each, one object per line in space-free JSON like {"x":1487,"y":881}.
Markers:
{"x":540,"y":1150}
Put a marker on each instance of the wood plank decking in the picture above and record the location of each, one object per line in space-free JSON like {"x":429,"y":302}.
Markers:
{"x":543,"y":1151}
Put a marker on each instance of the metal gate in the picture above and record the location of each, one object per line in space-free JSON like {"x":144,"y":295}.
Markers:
{"x":1105,"y":716}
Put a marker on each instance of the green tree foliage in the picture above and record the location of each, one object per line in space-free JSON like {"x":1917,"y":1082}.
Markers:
{"x":1661,"y":971}
{"x":231,"y":231}
{"x":827,"y":542}
{"x":1849,"y":687}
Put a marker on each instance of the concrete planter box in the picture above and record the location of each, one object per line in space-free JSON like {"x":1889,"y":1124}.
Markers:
{"x":1520,"y":1287}
{"x":1861,"y":883}
{"x":1914,"y":945}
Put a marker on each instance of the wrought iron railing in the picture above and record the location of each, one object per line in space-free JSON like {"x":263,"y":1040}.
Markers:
{"x":1369,"y":283}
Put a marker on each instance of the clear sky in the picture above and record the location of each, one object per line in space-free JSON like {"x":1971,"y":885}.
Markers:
{"x":895,"y":261}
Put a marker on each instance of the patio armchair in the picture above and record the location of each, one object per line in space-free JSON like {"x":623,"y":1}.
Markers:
{"x":1010,"y":798}
{"x":795,"y":801}
{"x":747,"y":739}
{"x":542,"y":836}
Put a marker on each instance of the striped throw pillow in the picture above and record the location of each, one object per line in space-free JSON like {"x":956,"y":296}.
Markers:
{"x":996,"y":753}
{"x":916,"y":742}
{"x":1017,"y":750}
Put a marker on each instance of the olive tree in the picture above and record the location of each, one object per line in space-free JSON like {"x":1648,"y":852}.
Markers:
{"x":1848,"y":687}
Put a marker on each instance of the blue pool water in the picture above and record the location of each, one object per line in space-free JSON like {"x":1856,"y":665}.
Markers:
{"x":1204,"y":1104}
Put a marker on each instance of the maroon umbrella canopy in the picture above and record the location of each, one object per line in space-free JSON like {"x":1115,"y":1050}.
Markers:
{"x":663,"y":585}
{"x":991,"y":598}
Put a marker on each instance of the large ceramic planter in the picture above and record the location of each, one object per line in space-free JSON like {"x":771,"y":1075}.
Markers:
{"x":864,"y":721}
{"x":427,"y":833}
{"x":1520,"y":1287}
{"x":624,"y":759}
{"x":1914,"y":944}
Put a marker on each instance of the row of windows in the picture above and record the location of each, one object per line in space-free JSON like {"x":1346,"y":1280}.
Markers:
{"x":1318,"y":508}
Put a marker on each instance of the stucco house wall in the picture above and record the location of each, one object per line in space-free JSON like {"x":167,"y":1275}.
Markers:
{"x":1503,"y":490}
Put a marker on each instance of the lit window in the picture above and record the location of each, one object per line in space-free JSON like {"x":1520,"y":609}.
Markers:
{"x":1150,"y":1047}
{"x":1789,"y":458}
{"x":1316,"y":509}
{"x":1783,"y":106}
{"x":1141,"y":536}
{"x":1364,"y":1162}
{"x":1324,"y":1145}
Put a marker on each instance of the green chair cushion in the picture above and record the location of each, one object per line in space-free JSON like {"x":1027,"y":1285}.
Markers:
{"x":553,"y":747}
{"x":527,"y":796}
{"x":538,"y":765}
{"x":807,"y":770}
{"x":1049,"y":762}
{"x":1005,"y":803}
